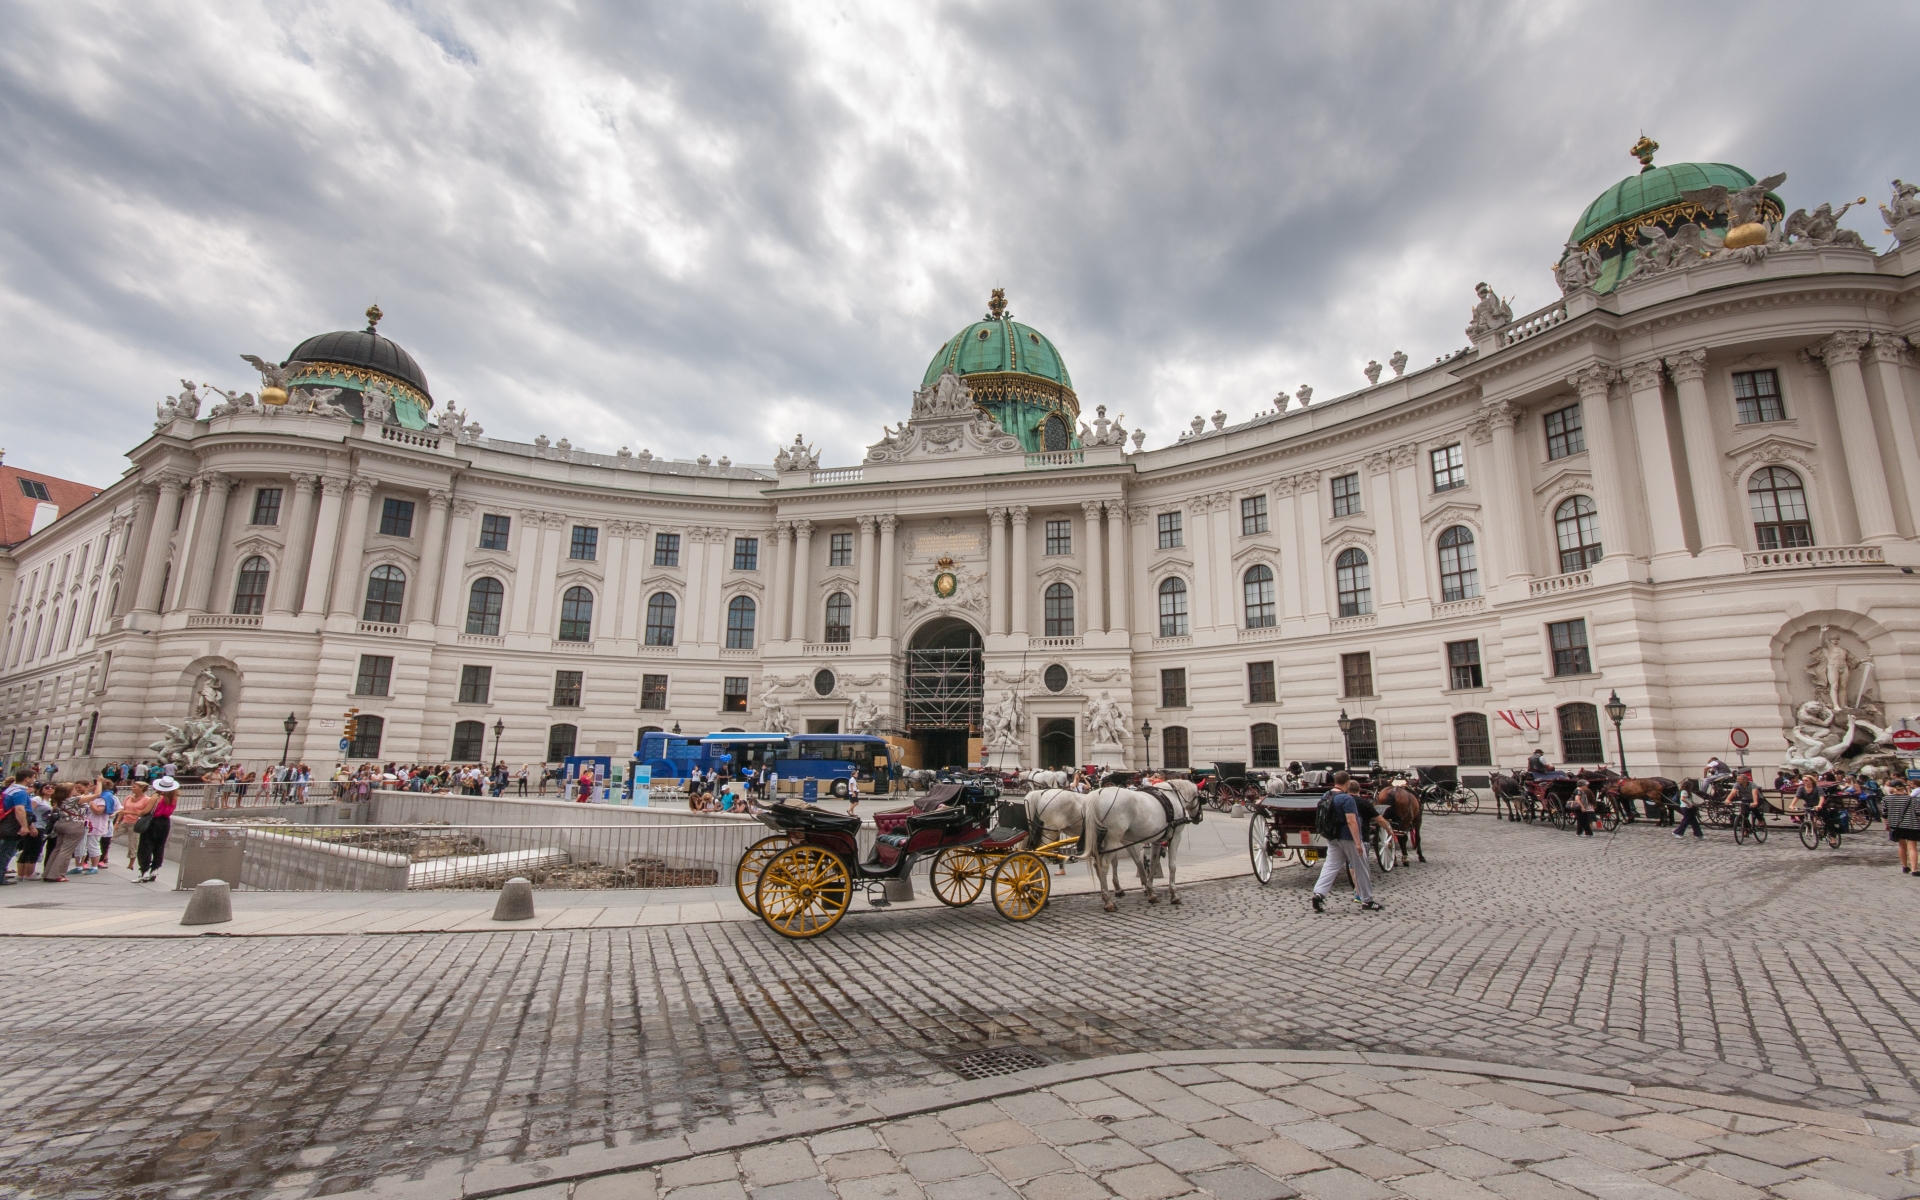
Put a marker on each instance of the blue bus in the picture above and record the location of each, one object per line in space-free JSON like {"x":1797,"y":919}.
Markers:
{"x":831,"y":758}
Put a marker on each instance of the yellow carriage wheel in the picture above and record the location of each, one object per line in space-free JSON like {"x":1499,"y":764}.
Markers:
{"x":958,"y":874}
{"x":746,"y":876}
{"x":1021,"y":885}
{"x":803,"y":891}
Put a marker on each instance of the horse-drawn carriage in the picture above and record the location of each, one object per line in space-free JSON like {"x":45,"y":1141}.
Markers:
{"x":801,"y":879}
{"x":1548,"y":796}
{"x":1281,"y":827}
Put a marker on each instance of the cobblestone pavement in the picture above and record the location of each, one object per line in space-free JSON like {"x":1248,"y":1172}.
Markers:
{"x":1253,"y":1131}
{"x":309,"y":1065}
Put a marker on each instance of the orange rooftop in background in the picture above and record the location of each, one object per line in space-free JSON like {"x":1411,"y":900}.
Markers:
{"x":30,"y":501}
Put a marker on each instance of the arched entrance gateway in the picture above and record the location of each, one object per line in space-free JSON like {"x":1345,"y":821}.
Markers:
{"x":944,"y":691}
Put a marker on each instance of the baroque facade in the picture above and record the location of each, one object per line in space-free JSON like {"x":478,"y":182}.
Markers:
{"x":1693,"y":482}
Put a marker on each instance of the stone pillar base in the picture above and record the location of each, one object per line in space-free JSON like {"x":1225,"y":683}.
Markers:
{"x":1109,"y":757}
{"x":1003,"y":760}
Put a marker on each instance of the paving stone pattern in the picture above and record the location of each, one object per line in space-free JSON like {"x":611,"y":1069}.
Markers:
{"x":1258,"y":1132}
{"x":308,"y":1065}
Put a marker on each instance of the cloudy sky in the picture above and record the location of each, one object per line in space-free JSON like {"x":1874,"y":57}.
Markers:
{"x":704,"y":228}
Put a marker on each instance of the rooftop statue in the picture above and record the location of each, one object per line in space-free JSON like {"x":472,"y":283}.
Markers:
{"x":1903,"y":216}
{"x":376,"y":403}
{"x":273,"y":377}
{"x":1372,"y":371}
{"x":1742,"y":207}
{"x":1822,"y":227}
{"x":1490,"y":312}
{"x":185,"y":406}
{"x":1398,"y":362}
{"x":1576,"y":269}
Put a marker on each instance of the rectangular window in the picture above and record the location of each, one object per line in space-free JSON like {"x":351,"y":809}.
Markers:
{"x":1059,"y":537}
{"x":266,"y":507}
{"x":746,"y":554}
{"x":1253,"y":515}
{"x":1565,"y":434}
{"x":839,"y":549}
{"x":1356,"y":675}
{"x":1569,"y":640}
{"x":1463,"y":665}
{"x":1260,"y":686}
{"x":494,"y":529}
{"x":1265,"y":740}
{"x":1756,"y":397}
{"x":375,"y":675}
{"x":653,"y":693}
{"x":1346,"y":494}
{"x":586,"y":543}
{"x":33,"y":489}
{"x":733,"y":695}
{"x":1169,"y":523}
{"x":1174,"y":747}
{"x":396,"y":517}
{"x":1173,"y":687}
{"x":666,"y":549}
{"x":1471,"y":744}
{"x":1449,"y":468}
{"x":566,"y":688}
{"x":476,"y":684}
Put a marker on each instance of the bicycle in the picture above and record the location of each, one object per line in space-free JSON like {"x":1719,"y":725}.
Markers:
{"x":1745,"y":825}
{"x":1826,"y":823}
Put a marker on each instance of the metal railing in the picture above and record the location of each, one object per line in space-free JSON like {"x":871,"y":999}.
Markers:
{"x":263,"y":855}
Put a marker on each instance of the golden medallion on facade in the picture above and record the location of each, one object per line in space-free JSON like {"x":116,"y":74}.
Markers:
{"x":946,"y":582}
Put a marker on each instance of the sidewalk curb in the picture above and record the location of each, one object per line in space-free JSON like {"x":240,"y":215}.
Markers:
{"x":588,"y":1162}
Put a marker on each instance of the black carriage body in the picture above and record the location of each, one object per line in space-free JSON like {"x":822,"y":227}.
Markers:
{"x":951,"y":814}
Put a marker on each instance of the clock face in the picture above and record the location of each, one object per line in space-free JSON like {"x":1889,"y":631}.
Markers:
{"x":944,"y":584}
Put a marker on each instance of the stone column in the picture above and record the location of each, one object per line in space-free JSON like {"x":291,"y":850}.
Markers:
{"x":889,"y":574}
{"x":1689,"y":371}
{"x":1311,"y":513}
{"x":348,"y":586}
{"x":1508,"y":521}
{"x":1594,"y":384}
{"x":142,"y":534}
{"x":289,"y":580}
{"x":526,"y":570}
{"x":1018,"y":583}
{"x":153,"y":561}
{"x":1414,"y":551}
{"x":1198,"y":538}
{"x":713,"y":617}
{"x":863,"y":596}
{"x":1120,"y":616}
{"x":1226,"y":588}
{"x":1096,"y":569}
{"x":1295,"y":557}
{"x":610,"y":612}
{"x":997,"y":570}
{"x":802,"y":607}
{"x":453,"y":592}
{"x":207,"y":528}
{"x":1386,"y":563}
{"x":1656,"y":459}
{"x":1865,"y":470}
{"x":779,"y":600}
{"x":1889,"y":355}
{"x":326,"y":535}
{"x":423,"y":597}
{"x":546,"y":569}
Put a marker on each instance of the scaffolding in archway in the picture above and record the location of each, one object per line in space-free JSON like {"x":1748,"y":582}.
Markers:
{"x":945,"y":689}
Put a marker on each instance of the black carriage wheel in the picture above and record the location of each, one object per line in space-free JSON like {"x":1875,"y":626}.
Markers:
{"x":1259,"y":851}
{"x":1466,"y":801}
{"x":1609,"y":819}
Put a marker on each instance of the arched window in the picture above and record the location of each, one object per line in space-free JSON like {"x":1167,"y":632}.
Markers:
{"x":1266,"y":745}
{"x":740,"y":615}
{"x":1363,"y":743}
{"x":1059,"y":610}
{"x":1779,"y":502}
{"x":1054,"y":435}
{"x":1580,"y":734}
{"x":1173,"y":607}
{"x":839,"y":618}
{"x":662,"y":608}
{"x":485,"y":601}
{"x":576,"y":615}
{"x":250,"y":588}
{"x":1459,"y":569}
{"x":1173,"y":745}
{"x":561,"y":740}
{"x":367,"y":731}
{"x":386,"y":596}
{"x":1576,"y":524}
{"x":469,"y":741}
{"x":1353,"y":582}
{"x":1257,"y":587}
{"x":1471,"y":745}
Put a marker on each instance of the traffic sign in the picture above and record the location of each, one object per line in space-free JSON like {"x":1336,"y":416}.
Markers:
{"x":1739,"y":739}
{"x":343,"y":745}
{"x":1906,"y":741}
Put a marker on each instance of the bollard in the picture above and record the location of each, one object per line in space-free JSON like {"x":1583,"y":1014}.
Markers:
{"x":516,"y":901}
{"x":210,"y":904}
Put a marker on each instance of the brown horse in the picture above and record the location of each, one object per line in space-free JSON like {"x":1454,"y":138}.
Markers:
{"x":1657,"y":793}
{"x":1401,"y":806}
{"x":1509,"y":796}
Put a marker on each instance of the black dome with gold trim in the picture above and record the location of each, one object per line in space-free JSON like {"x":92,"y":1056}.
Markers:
{"x":363,"y":353}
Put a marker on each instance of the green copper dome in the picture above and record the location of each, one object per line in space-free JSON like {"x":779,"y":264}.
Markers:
{"x":1656,"y":196}
{"x":1015,"y":374}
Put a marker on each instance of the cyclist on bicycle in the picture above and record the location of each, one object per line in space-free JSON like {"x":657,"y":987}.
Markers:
{"x":1831,"y":807}
{"x":1749,"y":804}
{"x":1867,"y":790}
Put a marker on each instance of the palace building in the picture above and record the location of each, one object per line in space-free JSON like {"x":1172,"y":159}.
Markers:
{"x":1691,"y":482}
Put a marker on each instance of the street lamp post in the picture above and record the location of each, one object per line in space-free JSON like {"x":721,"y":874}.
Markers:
{"x":1146,"y":731}
{"x":1617,"y":712}
{"x":1346,"y":726}
{"x":286,"y":747}
{"x":499,"y":727}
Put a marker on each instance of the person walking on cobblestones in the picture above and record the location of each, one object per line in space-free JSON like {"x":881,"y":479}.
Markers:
{"x":1903,"y":826}
{"x":138,"y":804}
{"x":1689,"y":815}
{"x":1346,"y":847}
{"x":1583,"y":810}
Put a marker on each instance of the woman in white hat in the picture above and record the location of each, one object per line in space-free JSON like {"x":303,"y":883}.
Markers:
{"x":159,"y":823}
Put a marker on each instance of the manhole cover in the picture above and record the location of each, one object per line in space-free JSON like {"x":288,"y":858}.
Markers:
{"x":37,"y":904}
{"x":980,"y":1064}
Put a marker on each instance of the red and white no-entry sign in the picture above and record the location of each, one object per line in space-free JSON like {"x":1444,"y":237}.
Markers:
{"x":1906,"y":741}
{"x":1739,"y":739}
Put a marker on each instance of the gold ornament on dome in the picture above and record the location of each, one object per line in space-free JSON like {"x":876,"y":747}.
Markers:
{"x":1753,"y":233}
{"x":273,"y":395}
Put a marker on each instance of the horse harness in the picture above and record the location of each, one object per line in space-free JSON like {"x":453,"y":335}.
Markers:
{"x":1175,"y":811}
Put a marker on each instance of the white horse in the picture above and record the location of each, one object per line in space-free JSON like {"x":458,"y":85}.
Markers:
{"x":1053,"y":814}
{"x":1120,"y":819}
{"x":1049,"y":779}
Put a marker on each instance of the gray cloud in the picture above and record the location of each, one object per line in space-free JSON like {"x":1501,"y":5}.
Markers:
{"x":703,"y":228}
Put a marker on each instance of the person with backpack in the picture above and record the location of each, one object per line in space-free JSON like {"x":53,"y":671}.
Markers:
{"x":1337,"y":819}
{"x":16,"y":817}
